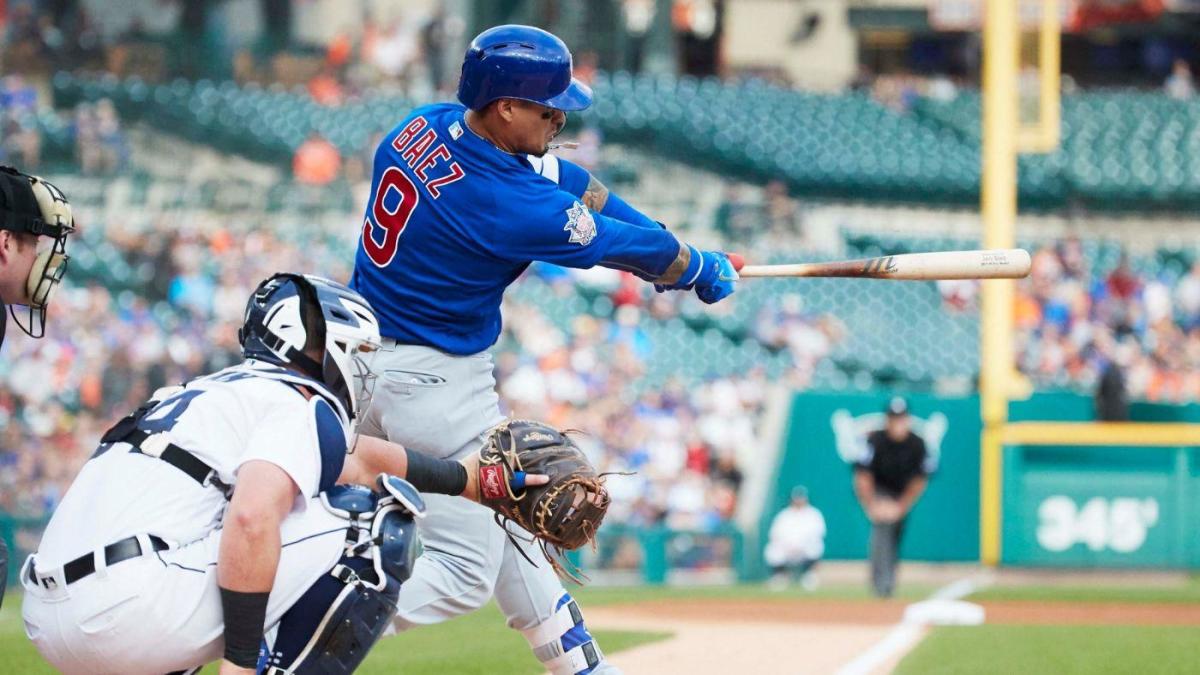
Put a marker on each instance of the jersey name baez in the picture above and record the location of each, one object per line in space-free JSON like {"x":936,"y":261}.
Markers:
{"x":453,"y":220}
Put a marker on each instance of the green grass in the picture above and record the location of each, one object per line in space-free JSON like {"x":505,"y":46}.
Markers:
{"x":1061,"y":650}
{"x":1188,"y":592}
{"x":16,"y":652}
{"x":480,"y":642}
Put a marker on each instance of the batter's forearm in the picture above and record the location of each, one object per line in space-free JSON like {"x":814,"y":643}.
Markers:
{"x":595,"y":197}
{"x":649,"y":253}
{"x":678,"y":267}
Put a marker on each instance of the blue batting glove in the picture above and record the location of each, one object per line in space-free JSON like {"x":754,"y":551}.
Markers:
{"x":709,"y":272}
{"x":518,"y":481}
{"x":718,"y":278}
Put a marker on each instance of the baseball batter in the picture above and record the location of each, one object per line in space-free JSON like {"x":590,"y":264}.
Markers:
{"x":464,"y":197}
{"x":208,"y":524}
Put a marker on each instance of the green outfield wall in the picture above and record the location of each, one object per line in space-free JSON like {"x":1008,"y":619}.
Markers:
{"x":825,"y":434}
{"x":1101,"y":506}
{"x":1079,"y":506}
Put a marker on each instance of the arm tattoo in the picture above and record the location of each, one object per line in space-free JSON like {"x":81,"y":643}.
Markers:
{"x":676,"y":268}
{"x":596,"y":195}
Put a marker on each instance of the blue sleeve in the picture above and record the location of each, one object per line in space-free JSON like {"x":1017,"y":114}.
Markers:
{"x":538,"y":221}
{"x":574,"y":179}
{"x":618,"y":208}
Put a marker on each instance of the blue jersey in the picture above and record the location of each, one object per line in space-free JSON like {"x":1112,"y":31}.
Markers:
{"x":453,"y":220}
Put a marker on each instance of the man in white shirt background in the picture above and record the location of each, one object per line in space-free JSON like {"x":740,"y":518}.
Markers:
{"x":796,"y":542}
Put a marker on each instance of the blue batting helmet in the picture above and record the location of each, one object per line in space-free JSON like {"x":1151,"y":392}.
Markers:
{"x":520,"y":62}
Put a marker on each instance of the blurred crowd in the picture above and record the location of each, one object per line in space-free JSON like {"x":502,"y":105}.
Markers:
{"x":1076,"y":323}
{"x":107,"y":350}
{"x":20,"y":135}
{"x":676,"y":445}
{"x":282,"y":41}
{"x":92,"y":138}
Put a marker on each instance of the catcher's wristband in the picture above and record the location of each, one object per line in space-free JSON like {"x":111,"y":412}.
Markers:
{"x":438,"y":476}
{"x":245,"y":614}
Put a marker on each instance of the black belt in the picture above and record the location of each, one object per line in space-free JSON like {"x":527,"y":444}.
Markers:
{"x":113,"y":554}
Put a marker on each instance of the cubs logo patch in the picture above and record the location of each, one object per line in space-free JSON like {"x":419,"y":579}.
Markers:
{"x":580,"y":224}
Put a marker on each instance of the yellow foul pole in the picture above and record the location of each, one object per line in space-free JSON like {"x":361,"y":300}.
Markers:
{"x":998,"y":207}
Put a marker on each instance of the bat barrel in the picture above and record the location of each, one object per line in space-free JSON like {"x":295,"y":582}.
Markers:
{"x":985,"y":264}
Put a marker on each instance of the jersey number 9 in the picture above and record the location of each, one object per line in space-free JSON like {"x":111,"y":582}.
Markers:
{"x":391,"y":221}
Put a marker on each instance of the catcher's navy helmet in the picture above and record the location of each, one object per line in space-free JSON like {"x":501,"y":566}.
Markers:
{"x":520,"y":62}
{"x":280,"y":319}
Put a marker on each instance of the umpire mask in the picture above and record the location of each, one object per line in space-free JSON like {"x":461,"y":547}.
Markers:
{"x":34,"y":206}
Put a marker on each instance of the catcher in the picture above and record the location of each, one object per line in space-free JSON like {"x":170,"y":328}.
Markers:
{"x":214,"y":521}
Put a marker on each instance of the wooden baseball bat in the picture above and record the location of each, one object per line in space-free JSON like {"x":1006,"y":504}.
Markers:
{"x":1010,"y":263}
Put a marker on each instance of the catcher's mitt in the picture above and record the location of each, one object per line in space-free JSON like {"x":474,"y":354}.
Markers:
{"x":563,"y":514}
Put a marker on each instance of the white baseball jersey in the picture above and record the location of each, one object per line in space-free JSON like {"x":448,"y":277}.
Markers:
{"x":243,"y":413}
{"x":796,"y":535}
{"x":162,"y":612}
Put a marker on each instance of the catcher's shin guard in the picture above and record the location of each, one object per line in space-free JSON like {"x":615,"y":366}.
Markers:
{"x":335,"y":623}
{"x":563,"y":644}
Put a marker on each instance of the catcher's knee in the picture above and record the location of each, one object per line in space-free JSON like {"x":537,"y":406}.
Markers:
{"x":563,"y":644}
{"x":335,"y":623}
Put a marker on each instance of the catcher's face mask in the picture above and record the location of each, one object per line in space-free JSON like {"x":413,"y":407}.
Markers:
{"x":33,"y":206}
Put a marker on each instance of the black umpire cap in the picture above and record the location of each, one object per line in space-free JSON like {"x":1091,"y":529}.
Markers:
{"x":19,"y":210}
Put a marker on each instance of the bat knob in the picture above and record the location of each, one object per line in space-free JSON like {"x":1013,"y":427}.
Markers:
{"x":738,"y":261}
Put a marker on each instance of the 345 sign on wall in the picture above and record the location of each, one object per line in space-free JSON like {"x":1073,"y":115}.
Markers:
{"x":1119,"y":524}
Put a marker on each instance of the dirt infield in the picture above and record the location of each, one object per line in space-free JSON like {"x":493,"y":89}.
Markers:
{"x":888,"y":612}
{"x":820,"y":636}
{"x":708,"y":643}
